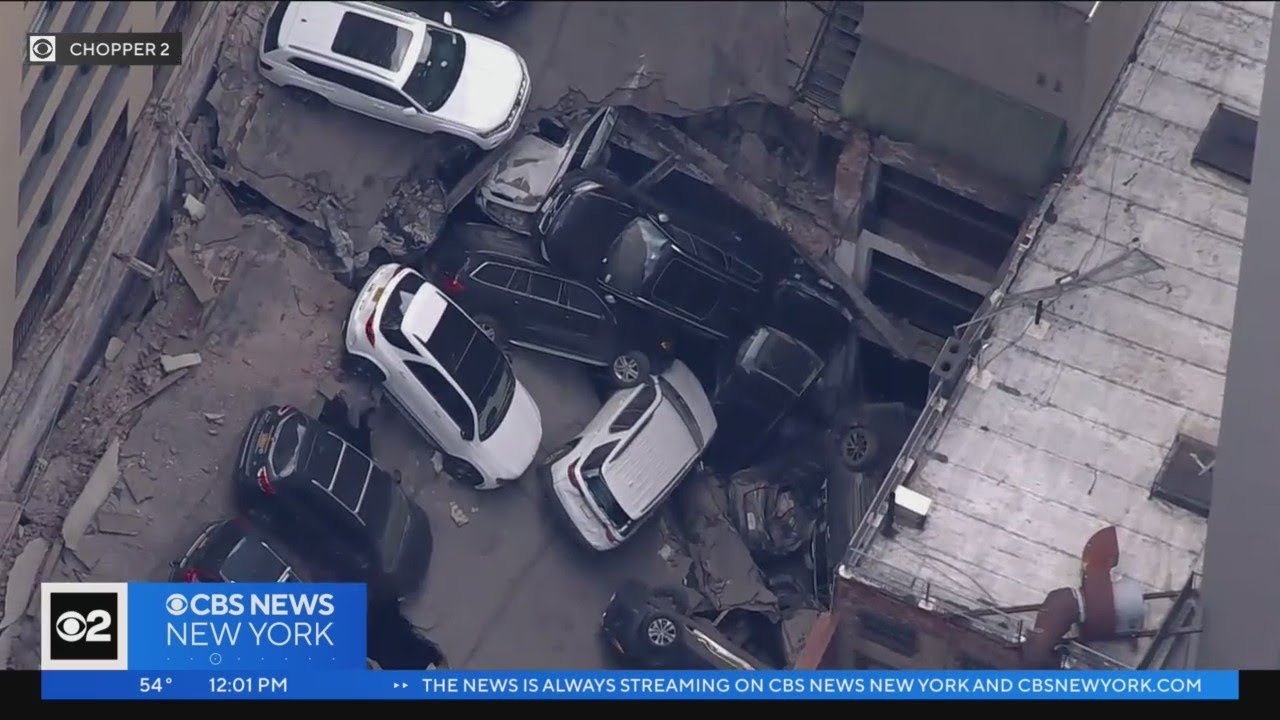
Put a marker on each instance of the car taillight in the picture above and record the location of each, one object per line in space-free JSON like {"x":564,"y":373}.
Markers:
{"x":191,"y":576}
{"x":264,"y":482}
{"x":369,"y":334}
{"x":453,"y":286}
{"x":574,"y":480}
{"x":613,"y":537}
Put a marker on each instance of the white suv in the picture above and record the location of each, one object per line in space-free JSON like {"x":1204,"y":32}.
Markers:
{"x":397,"y":67}
{"x":629,"y":458}
{"x":447,"y":377}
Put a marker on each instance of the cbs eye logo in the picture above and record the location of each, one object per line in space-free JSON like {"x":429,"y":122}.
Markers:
{"x":83,"y":626}
{"x":42,"y":48}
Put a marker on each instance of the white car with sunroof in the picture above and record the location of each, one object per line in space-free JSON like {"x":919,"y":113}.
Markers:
{"x":398,"y":67}
{"x":614,"y":476}
{"x":449,"y":379}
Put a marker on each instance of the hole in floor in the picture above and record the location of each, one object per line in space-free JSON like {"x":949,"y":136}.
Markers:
{"x":886,"y":378}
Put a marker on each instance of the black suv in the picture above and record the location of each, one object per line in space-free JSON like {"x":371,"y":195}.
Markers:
{"x":516,"y":298}
{"x":599,"y":233}
{"x":317,"y":491}
{"x":810,"y":309}
{"x":768,"y":375}
{"x":233,"y":551}
{"x":651,"y":629}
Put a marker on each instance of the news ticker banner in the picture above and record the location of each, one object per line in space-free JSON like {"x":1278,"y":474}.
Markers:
{"x":620,"y":685}
{"x":225,"y":627}
{"x":104,"y":48}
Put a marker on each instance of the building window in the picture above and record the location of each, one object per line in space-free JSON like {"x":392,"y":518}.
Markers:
{"x":46,"y":212}
{"x":1227,"y":143}
{"x":50,"y":135}
{"x":888,"y":633}
{"x":86,"y":131}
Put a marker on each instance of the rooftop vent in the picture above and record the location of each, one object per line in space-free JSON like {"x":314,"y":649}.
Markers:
{"x":1186,"y":480}
{"x":1227,"y":143}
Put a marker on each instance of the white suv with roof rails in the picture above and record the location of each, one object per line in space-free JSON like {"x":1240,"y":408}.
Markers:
{"x":448,"y":378}
{"x":631,"y":456}
{"x":398,"y":67}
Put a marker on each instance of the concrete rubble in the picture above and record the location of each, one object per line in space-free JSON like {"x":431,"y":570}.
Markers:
{"x":174,"y":363}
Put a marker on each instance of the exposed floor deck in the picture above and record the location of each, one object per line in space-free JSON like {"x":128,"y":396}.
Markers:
{"x":1067,"y":424}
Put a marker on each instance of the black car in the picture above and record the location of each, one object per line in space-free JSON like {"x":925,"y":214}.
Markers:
{"x":322,"y":495}
{"x":516,"y":298}
{"x":810,"y":309}
{"x":651,"y":629}
{"x":233,"y":551}
{"x":595,"y":233}
{"x":769,"y":373}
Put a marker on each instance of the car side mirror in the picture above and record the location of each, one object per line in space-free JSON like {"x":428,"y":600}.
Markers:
{"x":663,"y":217}
{"x":448,"y":18}
{"x":610,"y":299}
{"x":409,"y":111}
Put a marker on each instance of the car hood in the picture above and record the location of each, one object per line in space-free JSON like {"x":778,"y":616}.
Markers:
{"x":488,"y":87}
{"x":526,"y":174}
{"x":511,"y":448}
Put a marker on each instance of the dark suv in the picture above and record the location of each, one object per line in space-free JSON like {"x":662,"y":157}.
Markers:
{"x":651,"y":629}
{"x":305,"y":483}
{"x":768,"y":375}
{"x":516,"y":298}
{"x":597,"y":232}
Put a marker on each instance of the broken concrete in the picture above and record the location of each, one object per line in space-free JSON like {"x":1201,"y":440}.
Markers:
{"x":192,"y":274}
{"x":101,"y":481}
{"x":114,"y":523}
{"x":23,"y":578}
{"x":114,"y":346}
{"x":174,"y":363}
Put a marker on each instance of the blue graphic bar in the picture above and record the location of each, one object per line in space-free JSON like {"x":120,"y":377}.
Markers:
{"x":604,"y":685}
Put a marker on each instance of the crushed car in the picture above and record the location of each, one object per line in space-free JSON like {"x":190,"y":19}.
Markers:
{"x":518,"y":299}
{"x":533,"y":165}
{"x":306,"y":484}
{"x":234,"y":551}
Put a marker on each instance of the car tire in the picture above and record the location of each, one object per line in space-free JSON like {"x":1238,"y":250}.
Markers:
{"x":362,"y":368}
{"x":492,"y":329}
{"x":629,"y":369}
{"x":857,"y":447}
{"x":677,"y":596}
{"x":660,"y":633}
{"x":462,"y":472}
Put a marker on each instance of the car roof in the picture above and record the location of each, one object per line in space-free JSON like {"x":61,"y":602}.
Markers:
{"x":311,"y":28}
{"x":641,"y":471}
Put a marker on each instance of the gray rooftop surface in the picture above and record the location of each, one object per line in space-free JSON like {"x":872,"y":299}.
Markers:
{"x":1065,"y":426}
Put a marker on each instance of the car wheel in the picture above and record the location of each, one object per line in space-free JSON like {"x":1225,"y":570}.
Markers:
{"x":463,"y":472}
{"x":362,"y":368}
{"x":660,"y":632}
{"x":491,"y":328}
{"x":629,"y":369}
{"x":675,"y":595}
{"x":858,"y":447}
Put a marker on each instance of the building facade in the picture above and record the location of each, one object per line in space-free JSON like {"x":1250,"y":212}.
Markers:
{"x":65,"y":151}
{"x":972,"y":108}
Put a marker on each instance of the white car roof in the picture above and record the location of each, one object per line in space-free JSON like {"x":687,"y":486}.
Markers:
{"x":649,"y":463}
{"x":311,"y":27}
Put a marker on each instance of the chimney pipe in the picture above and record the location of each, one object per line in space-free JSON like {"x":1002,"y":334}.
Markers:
{"x":1060,"y":611}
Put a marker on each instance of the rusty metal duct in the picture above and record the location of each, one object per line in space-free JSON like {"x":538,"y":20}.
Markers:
{"x":1093,"y":606}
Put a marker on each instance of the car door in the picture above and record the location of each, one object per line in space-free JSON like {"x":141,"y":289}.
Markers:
{"x":552,"y":317}
{"x":442,"y":410}
{"x":589,"y":324}
{"x":494,"y":297}
{"x":325,"y":81}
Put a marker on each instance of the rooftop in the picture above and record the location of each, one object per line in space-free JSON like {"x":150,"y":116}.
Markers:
{"x":1064,"y":426}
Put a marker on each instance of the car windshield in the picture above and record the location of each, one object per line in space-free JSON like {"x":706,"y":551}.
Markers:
{"x":372,"y":41}
{"x":476,"y":364}
{"x":599,"y":490}
{"x":385,"y":511}
{"x":435,"y":75}
{"x":634,"y":255}
{"x":287,"y":447}
{"x":781,"y":359}
{"x":252,"y":561}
